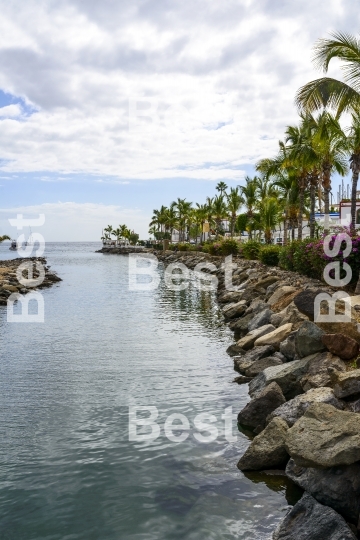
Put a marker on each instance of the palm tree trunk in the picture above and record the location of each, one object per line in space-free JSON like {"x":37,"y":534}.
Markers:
{"x":292,"y":232}
{"x":285,"y":231}
{"x":355,"y":166}
{"x":312,"y":210}
{"x":301,"y":211}
{"x":326,"y":207}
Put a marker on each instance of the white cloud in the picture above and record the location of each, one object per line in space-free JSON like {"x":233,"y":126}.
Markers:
{"x":220,"y":76}
{"x":76,"y":222}
{"x":10,"y":111}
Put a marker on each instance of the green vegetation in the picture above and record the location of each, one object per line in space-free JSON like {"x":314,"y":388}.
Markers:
{"x":4,"y":237}
{"x":122,"y":235}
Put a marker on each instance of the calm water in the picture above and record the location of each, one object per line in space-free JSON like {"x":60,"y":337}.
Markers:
{"x":68,"y":470}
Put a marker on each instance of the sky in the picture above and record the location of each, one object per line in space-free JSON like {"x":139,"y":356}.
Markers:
{"x":110,"y":109}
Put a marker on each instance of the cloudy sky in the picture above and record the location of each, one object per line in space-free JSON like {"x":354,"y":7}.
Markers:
{"x":110,"y":109}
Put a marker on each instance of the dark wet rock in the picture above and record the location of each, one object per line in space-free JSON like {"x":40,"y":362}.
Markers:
{"x":267,"y":449}
{"x":244,"y":362}
{"x":231,"y":311}
{"x":310,"y":520}
{"x":259,"y":365}
{"x":234,"y":350}
{"x":305,"y":300}
{"x":256,"y":307}
{"x":341,"y":345}
{"x":240,"y":326}
{"x":325,"y":437}
{"x":254,"y":414}
{"x":230,"y":296}
{"x":287,"y":347}
{"x":308,"y":339}
{"x":260,"y":319}
{"x":242,"y":379}
{"x":287,"y":376}
{"x":320,"y":371}
{"x":295,"y":408}
{"x":337,"y":487}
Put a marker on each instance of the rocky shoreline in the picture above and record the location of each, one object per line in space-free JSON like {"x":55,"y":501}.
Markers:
{"x":304,"y":385}
{"x":9,"y":283}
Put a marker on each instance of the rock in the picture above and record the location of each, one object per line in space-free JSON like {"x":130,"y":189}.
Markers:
{"x":260,"y":319}
{"x":310,"y":520}
{"x":287,"y":376}
{"x":244,"y":362}
{"x":309,"y":339}
{"x":254,"y":414}
{"x":337,"y":487}
{"x":265,"y":282}
{"x":341,"y":345}
{"x":235,"y":350}
{"x":281,"y":357}
{"x":280,"y":293}
{"x":234,"y":310}
{"x":259,"y":365}
{"x":294,"y":316}
{"x":242,"y":380}
{"x":276,"y":318}
{"x":284,"y":302}
{"x":275,"y":337}
{"x":248,"y":341}
{"x":256,"y":307}
{"x":267,"y":449}
{"x":353,"y":406}
{"x":346,"y":383}
{"x":320,"y":371}
{"x":348,"y":329}
{"x":324,"y":437}
{"x":294,"y":409}
{"x":240,"y":326}
{"x":10,"y":288}
{"x":230,"y":296}
{"x":287,"y":347}
{"x":305,"y":300}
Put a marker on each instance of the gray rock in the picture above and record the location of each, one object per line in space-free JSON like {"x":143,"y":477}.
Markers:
{"x":275,"y":337}
{"x":310,"y":520}
{"x":231,"y":311}
{"x":346,"y":383}
{"x":294,"y":316}
{"x":242,"y":380}
{"x":276,"y":318}
{"x":259,"y":365}
{"x":320,"y":371}
{"x":287,"y":347}
{"x":304,"y":301}
{"x":230,"y":296}
{"x":234,"y":350}
{"x":337,"y":487}
{"x":240,"y":326}
{"x":287,"y":376}
{"x":260,"y":319}
{"x":308,"y":339}
{"x":254,"y":414}
{"x":247,"y":342}
{"x":244,"y":362}
{"x":295,"y":408}
{"x":324,"y":437}
{"x":256,"y":307}
{"x":267,"y":449}
{"x":280,"y":355}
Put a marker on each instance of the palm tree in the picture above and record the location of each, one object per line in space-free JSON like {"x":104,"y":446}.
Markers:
{"x":201,"y":216}
{"x":183,"y":208}
{"x":108,"y":230}
{"x":269,"y":216}
{"x":328,"y":92}
{"x":221,"y":187}
{"x":249,"y":194}
{"x":354,"y":147}
{"x":4,"y":237}
{"x":234,"y":201}
{"x":219,"y":210}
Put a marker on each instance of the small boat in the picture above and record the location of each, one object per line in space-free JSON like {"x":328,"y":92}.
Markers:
{"x":13,"y":245}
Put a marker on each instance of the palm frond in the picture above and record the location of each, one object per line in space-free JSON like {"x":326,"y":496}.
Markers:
{"x":327,"y":92}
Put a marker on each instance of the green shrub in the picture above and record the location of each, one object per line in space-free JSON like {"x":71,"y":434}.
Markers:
{"x":270,"y":255}
{"x":251,"y":249}
{"x":229,"y":246}
{"x":183,"y":247}
{"x":215,"y":248}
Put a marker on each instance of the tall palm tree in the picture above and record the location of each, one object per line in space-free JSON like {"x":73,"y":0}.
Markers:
{"x":219,"y":210}
{"x":221,"y":187}
{"x":354,"y":147}
{"x":201,"y":217}
{"x":329,"y":92}
{"x":249,"y":194}
{"x":269,"y":216}
{"x":183,"y":208}
{"x":234,"y":201}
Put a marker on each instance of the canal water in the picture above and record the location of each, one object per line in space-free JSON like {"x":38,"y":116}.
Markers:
{"x":67,"y":467}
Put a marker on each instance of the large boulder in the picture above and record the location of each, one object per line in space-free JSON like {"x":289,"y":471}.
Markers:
{"x":287,"y":376}
{"x":287,"y":347}
{"x":309,"y":339}
{"x":310,"y":520}
{"x":346,"y":383}
{"x":242,"y":363}
{"x":256,"y":306}
{"x":305,"y":301}
{"x":254,"y":414}
{"x":295,"y":408}
{"x":248,"y":341}
{"x":230,"y":296}
{"x":337,"y":487}
{"x":260,"y":319}
{"x":259,"y":365}
{"x":341,"y":345}
{"x":280,"y":293}
{"x":294,"y":316}
{"x":275,"y":337}
{"x":267,"y":449}
{"x":320,"y":371}
{"x":324,"y":437}
{"x":240,"y":326}
{"x":231,"y":311}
